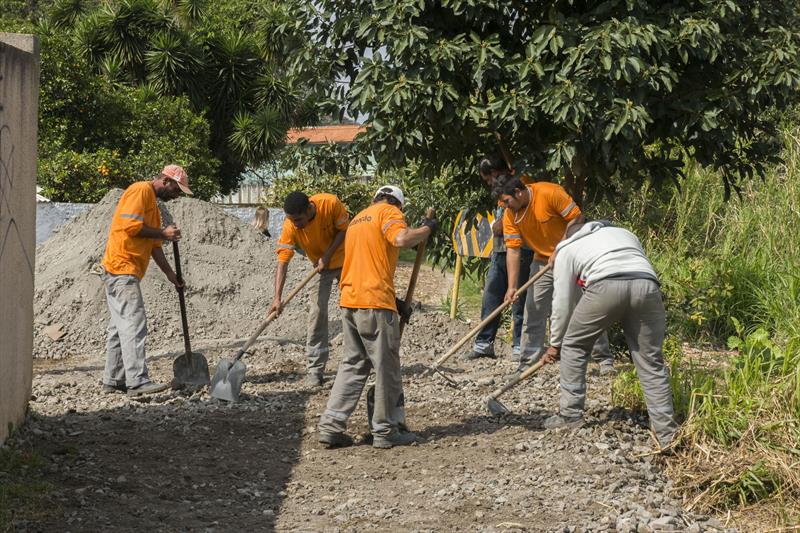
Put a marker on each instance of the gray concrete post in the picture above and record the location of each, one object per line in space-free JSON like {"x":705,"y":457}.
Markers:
{"x":19,"y":103}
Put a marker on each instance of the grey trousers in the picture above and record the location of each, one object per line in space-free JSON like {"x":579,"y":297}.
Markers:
{"x":371,"y":340}
{"x":538,"y":304}
{"x":638,"y":306}
{"x":127,"y":330}
{"x":317,"y":349}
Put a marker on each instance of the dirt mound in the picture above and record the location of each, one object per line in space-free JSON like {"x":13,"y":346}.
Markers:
{"x":228,"y":268}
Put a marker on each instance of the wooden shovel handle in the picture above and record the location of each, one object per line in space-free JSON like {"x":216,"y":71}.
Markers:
{"x":412,"y":283}
{"x":181,"y":298}
{"x":522,"y":377}
{"x":274,"y":314}
{"x":474,"y":331}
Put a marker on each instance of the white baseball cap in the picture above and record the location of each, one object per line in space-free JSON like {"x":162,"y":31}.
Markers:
{"x":393,"y":191}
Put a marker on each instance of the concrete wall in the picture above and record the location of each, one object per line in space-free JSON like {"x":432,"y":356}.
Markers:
{"x":19,"y":101}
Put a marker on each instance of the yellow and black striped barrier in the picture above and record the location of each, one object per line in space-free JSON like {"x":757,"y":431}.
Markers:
{"x":473,"y":242}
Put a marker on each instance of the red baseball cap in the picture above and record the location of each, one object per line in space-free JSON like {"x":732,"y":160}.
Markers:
{"x":176,"y":173}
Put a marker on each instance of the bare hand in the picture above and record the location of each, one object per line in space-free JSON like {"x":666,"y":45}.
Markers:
{"x":171,"y":233}
{"x":173,"y":278}
{"x":276,"y":307}
{"x":552,"y":260}
{"x":552,"y":355}
{"x":497,"y":228}
{"x":511,"y":295}
{"x":322,"y":263}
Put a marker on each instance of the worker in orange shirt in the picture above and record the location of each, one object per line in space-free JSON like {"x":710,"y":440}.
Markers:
{"x":317,"y":225}
{"x":134,"y":238}
{"x":371,"y":323}
{"x":537,"y":214}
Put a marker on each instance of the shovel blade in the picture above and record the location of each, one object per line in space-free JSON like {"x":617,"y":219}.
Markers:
{"x":227,"y":381}
{"x":495,"y":407}
{"x":191,"y":369}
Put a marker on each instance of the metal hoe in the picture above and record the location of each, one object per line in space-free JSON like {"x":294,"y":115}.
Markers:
{"x":229,"y":375}
{"x":436,"y":367}
{"x":191,"y":368}
{"x":494,"y":405}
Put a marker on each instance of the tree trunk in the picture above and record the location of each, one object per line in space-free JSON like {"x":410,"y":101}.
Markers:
{"x":575,"y":182}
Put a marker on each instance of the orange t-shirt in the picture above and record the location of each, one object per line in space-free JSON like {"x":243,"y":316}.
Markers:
{"x":542,"y":224}
{"x":125,"y":252}
{"x":317,"y":236}
{"x":370,"y":258}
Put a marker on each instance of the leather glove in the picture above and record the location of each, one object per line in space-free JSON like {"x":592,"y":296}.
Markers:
{"x":403,"y":309}
{"x":431,"y":223}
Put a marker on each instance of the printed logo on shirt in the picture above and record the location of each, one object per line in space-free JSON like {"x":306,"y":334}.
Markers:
{"x":365,"y":218}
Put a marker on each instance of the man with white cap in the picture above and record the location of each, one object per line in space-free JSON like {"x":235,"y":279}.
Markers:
{"x":371,"y":323}
{"x":134,"y":238}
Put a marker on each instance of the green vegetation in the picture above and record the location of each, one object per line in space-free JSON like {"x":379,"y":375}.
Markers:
{"x":22,"y":493}
{"x":730,"y":270}
{"x":612,"y":93}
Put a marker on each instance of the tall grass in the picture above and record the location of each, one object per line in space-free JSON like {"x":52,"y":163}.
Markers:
{"x":731,"y":272}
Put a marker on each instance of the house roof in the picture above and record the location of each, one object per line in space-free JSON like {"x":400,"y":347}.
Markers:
{"x":338,"y":134}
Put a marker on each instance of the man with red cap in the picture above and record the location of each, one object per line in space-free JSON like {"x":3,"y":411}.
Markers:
{"x":134,"y":238}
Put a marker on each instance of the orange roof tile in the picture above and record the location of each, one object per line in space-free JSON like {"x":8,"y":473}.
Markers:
{"x":339,"y":134}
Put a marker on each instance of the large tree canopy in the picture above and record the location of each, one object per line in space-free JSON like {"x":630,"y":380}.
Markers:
{"x":621,"y":89}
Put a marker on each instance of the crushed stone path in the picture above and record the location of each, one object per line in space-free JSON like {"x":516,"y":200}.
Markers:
{"x":181,"y":461}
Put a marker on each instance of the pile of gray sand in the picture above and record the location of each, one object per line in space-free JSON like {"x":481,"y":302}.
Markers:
{"x":228,"y":268}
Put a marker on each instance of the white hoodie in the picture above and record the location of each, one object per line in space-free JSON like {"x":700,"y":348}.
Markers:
{"x":597,"y":251}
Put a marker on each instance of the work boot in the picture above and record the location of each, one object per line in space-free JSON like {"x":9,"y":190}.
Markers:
{"x":335,"y":440}
{"x":558,"y":421}
{"x":399,"y":438}
{"x":313,"y":380}
{"x":471,"y":356}
{"x":112,"y":389}
{"x":147,"y":388}
{"x":607,"y":369}
{"x":523,"y":366}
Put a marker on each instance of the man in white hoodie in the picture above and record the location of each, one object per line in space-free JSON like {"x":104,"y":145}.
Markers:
{"x":619,"y":284}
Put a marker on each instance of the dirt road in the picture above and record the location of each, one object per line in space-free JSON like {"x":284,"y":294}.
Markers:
{"x":184,"y":462}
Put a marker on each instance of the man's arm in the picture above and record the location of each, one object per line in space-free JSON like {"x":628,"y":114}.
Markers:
{"x":170,"y":233}
{"x":337,"y":241}
{"x":408,"y":237}
{"x":512,"y":267}
{"x":158,"y":256}
{"x":280,"y":280}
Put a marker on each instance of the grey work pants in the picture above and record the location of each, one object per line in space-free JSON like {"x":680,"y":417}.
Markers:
{"x":637,"y":304}
{"x":371,"y":340}
{"x":127,"y":330}
{"x":538,"y":304}
{"x":317,"y":349}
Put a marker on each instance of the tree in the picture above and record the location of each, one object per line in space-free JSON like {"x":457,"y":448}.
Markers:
{"x":232,"y":73}
{"x":609,"y":93}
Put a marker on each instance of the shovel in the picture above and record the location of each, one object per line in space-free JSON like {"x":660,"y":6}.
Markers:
{"x":494,"y":405}
{"x":229,"y":375}
{"x":474,"y":331}
{"x":191,"y":368}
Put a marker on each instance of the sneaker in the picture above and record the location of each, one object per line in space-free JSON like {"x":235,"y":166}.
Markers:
{"x":335,"y":440}
{"x":515,"y":355}
{"x":471,"y":356}
{"x":113,"y":389}
{"x":558,"y":421}
{"x":399,"y":438}
{"x":313,"y":380}
{"x":147,"y":388}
